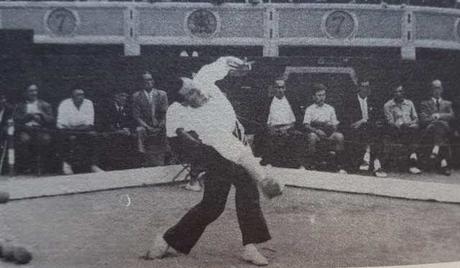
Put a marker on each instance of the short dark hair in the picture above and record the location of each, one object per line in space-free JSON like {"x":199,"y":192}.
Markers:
{"x":363,"y":82}
{"x":318,"y":87}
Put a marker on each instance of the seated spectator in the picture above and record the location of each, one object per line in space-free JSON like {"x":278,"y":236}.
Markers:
{"x":6,"y":117}
{"x":6,"y":123}
{"x":364,"y":127}
{"x":435,"y":115}
{"x":75,"y":119}
{"x":280,"y":136}
{"x":114,"y":121}
{"x":33,"y":119}
{"x":149,"y":107}
{"x":321,"y":124}
{"x":402,"y":125}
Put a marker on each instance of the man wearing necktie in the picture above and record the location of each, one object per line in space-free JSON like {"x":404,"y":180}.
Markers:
{"x":435,"y":116}
{"x":114,"y":121}
{"x":149,"y":107}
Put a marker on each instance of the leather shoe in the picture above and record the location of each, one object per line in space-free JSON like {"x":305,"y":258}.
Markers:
{"x":445,"y":171}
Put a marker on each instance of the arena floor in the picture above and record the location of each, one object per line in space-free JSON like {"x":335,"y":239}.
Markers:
{"x":309,"y":228}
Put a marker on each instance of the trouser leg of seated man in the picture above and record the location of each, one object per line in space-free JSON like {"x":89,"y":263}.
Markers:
{"x":411,"y":139}
{"x":22,"y":146}
{"x":338,"y":142}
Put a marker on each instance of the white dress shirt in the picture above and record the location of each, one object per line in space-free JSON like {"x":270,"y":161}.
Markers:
{"x":280,"y":112}
{"x":364,"y":109}
{"x":32,"y":107}
{"x":70,"y":116}
{"x":322,"y":114}
{"x":215,"y":121}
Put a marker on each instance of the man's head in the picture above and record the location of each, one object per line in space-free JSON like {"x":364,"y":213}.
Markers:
{"x":191,"y":95}
{"x":398,"y":94}
{"x":319,"y":94}
{"x":280,"y":88}
{"x":437,"y":89}
{"x":120,"y":98}
{"x":148,"y":81}
{"x":364,"y":88}
{"x":78,"y":95}
{"x":32,"y":92}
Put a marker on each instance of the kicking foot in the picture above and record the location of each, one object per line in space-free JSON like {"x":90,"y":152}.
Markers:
{"x":252,"y":255}
{"x":159,"y":249}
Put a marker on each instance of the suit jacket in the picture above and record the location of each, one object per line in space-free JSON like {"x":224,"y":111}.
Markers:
{"x":46,"y":111}
{"x":109,"y":118}
{"x":151,"y":113}
{"x":428,"y":108}
{"x":352,"y":111}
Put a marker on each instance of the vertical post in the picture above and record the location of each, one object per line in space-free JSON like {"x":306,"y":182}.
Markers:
{"x":408,"y":35}
{"x":131,"y":45}
{"x":271,"y":33}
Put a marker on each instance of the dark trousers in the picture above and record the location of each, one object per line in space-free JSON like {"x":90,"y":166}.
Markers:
{"x":220,"y":175}
{"x":79,"y":147}
{"x":408,"y":136}
{"x":437,"y":133}
{"x":118,"y":150}
{"x":359,"y":138}
{"x":283,"y":149}
{"x":30,"y":143}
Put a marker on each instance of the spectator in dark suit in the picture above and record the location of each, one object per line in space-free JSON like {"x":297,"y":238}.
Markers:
{"x":33,"y":119}
{"x":149,"y":107}
{"x":363,"y":126}
{"x":435,"y":116}
{"x":115,"y":123}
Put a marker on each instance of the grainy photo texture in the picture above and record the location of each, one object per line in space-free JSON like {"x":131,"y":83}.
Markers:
{"x":229,"y":133}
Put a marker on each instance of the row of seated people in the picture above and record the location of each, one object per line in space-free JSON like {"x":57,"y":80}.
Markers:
{"x":81,"y":133}
{"x":365,"y":135}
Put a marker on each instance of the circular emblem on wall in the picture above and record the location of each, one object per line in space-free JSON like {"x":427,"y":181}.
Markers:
{"x":62,"y":21}
{"x":202,"y":23}
{"x":339,"y":24}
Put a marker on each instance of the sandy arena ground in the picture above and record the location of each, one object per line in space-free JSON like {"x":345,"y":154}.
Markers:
{"x":309,"y":229}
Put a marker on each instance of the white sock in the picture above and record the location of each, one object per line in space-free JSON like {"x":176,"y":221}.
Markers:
{"x":413,"y":156}
{"x":443,"y":163}
{"x":435,"y":149}
{"x":377,"y":164}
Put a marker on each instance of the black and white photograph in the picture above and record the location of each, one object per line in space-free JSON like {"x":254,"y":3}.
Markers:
{"x":230,"y":133}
